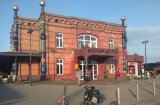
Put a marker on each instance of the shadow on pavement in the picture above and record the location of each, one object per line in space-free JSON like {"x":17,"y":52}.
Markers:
{"x":9,"y":96}
{"x":151,"y":84}
{"x":102,"y":98}
{"x":71,"y":96}
{"x":132,"y":93}
{"x":81,"y":91}
{"x":114,"y":103}
{"x":147,"y":90}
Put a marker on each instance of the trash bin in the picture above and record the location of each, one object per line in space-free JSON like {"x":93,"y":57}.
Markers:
{"x":158,"y":76}
{"x":14,"y":78}
{"x":5,"y":80}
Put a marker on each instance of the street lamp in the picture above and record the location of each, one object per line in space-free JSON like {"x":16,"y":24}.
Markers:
{"x":15,"y":39}
{"x":123,"y":18}
{"x":145,"y":42}
{"x":30,"y":30}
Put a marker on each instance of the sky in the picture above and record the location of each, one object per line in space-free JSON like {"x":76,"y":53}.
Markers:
{"x":142,"y":19}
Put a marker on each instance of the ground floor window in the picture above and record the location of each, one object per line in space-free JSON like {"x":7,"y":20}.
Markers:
{"x":112,"y":67}
{"x":59,"y":66}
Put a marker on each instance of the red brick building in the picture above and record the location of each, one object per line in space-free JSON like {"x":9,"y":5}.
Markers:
{"x":92,"y":44}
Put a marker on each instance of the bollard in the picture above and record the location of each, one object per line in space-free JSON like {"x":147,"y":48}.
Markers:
{"x":64,"y":93}
{"x":137,"y":92}
{"x":118,"y":94}
{"x":154,"y":89}
{"x":63,"y":102}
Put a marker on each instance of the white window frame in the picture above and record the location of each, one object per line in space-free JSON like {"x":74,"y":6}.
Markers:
{"x":60,"y":40}
{"x":59,"y":64}
{"x":112,"y":67}
{"x":111,"y":43}
{"x":85,"y":40}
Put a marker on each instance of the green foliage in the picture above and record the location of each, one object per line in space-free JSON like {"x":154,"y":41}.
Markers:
{"x":4,"y":75}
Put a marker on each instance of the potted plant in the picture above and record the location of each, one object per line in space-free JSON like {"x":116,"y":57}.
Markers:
{"x":5,"y":77}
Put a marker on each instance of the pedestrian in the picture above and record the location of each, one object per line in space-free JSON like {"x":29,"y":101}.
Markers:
{"x":117,"y":74}
{"x":78,"y":75}
{"x":89,"y":74}
{"x":131,"y":75}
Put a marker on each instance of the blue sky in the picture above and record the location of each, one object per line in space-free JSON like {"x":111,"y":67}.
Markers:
{"x":142,"y":19}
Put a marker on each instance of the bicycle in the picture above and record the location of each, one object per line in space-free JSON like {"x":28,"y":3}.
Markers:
{"x":91,"y":96}
{"x":85,"y":103}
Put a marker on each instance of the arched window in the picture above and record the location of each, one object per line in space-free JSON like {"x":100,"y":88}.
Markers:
{"x":112,"y":67}
{"x":88,"y":40}
{"x":111,"y":43}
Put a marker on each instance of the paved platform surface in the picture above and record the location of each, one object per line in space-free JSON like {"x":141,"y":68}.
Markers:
{"x":48,"y":92}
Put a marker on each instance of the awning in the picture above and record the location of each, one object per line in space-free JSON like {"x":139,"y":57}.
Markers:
{"x":7,"y":59}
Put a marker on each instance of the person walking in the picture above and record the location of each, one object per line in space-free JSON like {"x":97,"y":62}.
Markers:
{"x":117,"y":74}
{"x":89,"y":74}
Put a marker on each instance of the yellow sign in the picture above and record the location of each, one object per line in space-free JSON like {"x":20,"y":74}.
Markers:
{"x":76,"y":66}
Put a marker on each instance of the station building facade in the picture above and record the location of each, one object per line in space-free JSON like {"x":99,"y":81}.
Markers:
{"x":61,"y":42}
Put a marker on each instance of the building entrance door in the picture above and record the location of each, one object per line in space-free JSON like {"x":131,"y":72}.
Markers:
{"x":82,"y":68}
{"x":91,"y":72}
{"x":95,"y":71}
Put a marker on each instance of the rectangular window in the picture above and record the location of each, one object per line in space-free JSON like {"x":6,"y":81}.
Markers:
{"x":112,"y":68}
{"x":59,"y":66}
{"x":59,"y":40}
{"x":111,"y":44}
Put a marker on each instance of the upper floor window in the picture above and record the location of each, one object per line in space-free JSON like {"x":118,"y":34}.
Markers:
{"x":59,"y":66}
{"x":88,"y":40}
{"x":59,"y":40}
{"x":111,"y":43}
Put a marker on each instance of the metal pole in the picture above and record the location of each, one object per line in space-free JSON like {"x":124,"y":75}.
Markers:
{"x":137,"y":92}
{"x":145,"y":61}
{"x":118,"y":94}
{"x":145,"y":53}
{"x":154,"y":89}
{"x":141,"y":73}
{"x":16,"y":68}
{"x":140,"y":69}
{"x":145,"y":42}
{"x":64,"y":94}
{"x":30,"y":64}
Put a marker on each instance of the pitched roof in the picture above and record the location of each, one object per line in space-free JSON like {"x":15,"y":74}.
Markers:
{"x":135,"y":58}
{"x":71,"y":17}
{"x":83,"y":19}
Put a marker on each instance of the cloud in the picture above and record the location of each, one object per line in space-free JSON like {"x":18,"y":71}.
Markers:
{"x":135,"y":37}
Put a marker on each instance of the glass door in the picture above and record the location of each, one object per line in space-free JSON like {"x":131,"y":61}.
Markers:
{"x":82,"y":69}
{"x":95,"y":71}
{"x":91,"y":65}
